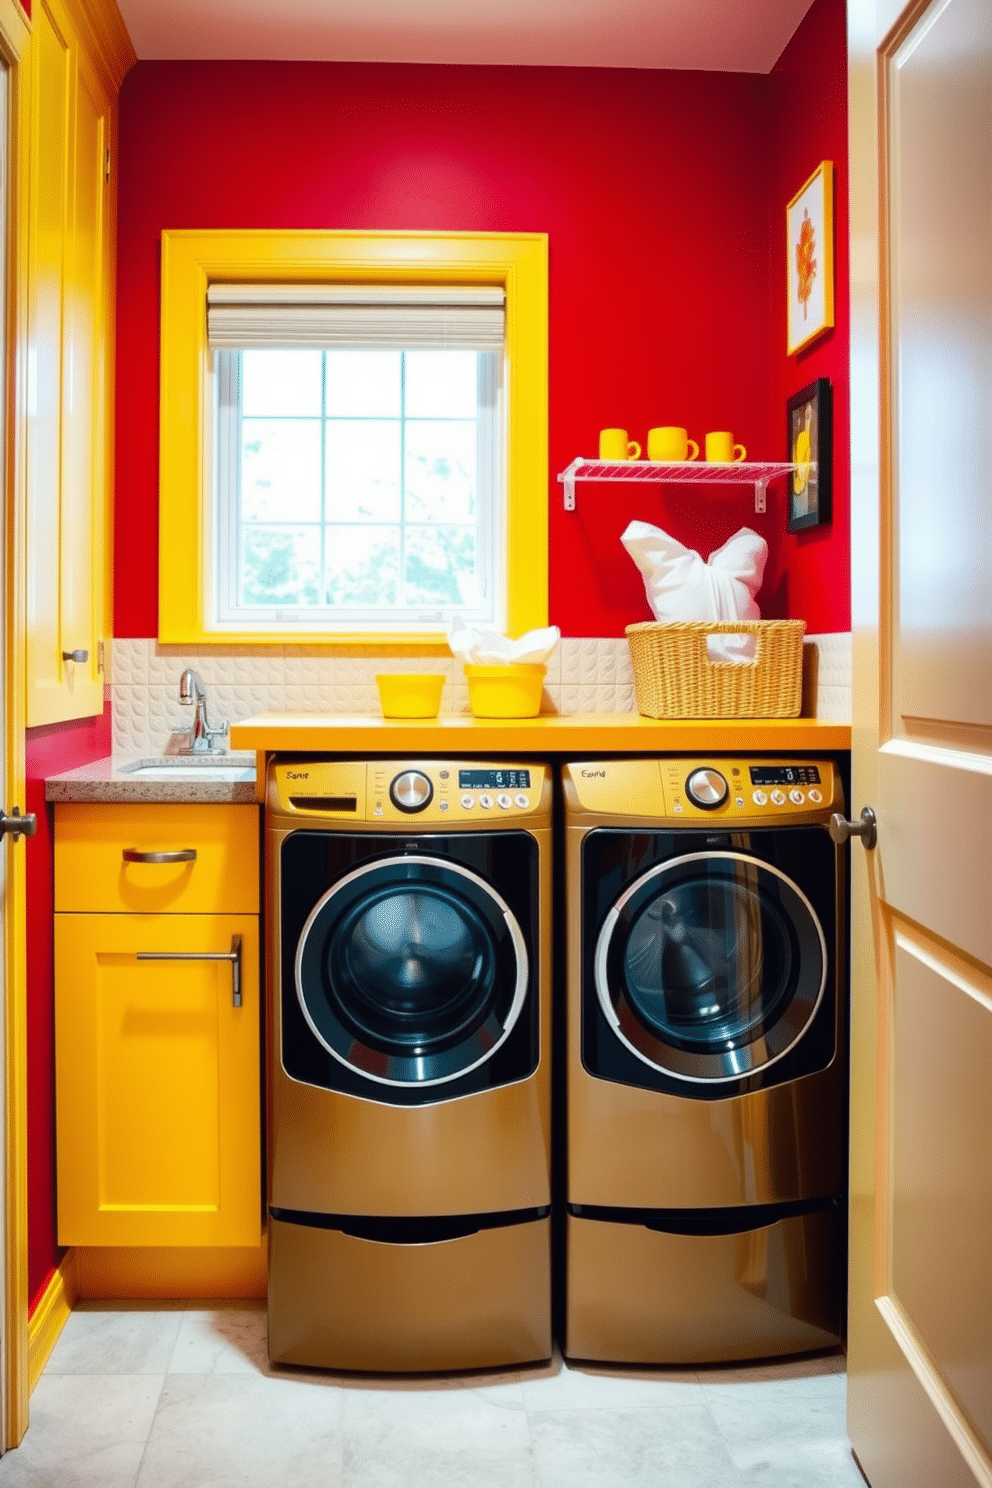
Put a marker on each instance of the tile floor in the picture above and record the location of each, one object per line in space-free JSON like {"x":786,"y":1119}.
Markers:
{"x":181,"y":1396}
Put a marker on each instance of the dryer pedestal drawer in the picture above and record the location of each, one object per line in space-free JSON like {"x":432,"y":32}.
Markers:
{"x":642,"y":1296}
{"x":470,"y":1303}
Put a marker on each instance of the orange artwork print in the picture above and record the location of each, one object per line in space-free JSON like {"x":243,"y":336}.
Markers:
{"x":805,"y":262}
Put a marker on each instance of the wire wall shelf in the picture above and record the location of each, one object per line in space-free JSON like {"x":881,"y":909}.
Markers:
{"x":695,"y":472}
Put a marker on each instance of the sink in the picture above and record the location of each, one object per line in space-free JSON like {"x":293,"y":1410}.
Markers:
{"x":179,"y":768}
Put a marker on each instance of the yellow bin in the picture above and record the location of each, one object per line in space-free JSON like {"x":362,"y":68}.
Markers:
{"x":505,"y":691}
{"x":410,"y":694}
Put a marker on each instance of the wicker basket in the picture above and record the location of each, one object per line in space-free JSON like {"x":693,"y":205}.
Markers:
{"x":674,"y":677}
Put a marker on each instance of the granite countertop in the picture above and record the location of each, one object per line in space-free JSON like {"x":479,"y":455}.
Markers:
{"x":117,"y":780}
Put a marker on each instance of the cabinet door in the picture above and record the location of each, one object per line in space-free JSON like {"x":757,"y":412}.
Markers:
{"x":85,"y":403}
{"x":157,"y":1082}
{"x":68,"y":424}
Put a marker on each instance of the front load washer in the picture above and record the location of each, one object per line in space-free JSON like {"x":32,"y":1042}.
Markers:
{"x":409,"y":1090}
{"x":706,"y":1068}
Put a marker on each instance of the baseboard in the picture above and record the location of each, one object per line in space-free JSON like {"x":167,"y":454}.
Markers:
{"x":124,"y":1273}
{"x":51,"y":1315}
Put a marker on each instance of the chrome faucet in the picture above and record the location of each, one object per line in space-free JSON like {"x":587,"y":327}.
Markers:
{"x":201,"y":735}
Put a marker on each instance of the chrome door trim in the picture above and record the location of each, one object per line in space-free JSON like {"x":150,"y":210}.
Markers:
{"x":606,"y":935}
{"x":516,"y":936}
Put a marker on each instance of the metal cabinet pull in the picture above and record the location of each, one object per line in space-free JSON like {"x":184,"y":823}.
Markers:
{"x":867,"y":828}
{"x":79,"y":656}
{"x":233,"y":955}
{"x":179,"y":855}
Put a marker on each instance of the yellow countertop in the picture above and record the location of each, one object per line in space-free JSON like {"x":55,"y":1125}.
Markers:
{"x":572,"y":734}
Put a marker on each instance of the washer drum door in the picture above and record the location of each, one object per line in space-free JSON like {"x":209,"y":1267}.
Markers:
{"x":411,"y":971}
{"x":711,"y":966}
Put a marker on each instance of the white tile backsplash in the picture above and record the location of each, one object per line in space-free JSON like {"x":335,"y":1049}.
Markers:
{"x":586,"y":675}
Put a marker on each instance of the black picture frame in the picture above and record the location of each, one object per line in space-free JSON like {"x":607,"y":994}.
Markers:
{"x":809,"y":412}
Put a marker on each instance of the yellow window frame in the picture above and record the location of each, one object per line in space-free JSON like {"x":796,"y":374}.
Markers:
{"x":192,"y":260}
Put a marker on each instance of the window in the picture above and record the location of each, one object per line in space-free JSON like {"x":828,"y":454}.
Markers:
{"x":359,"y":470}
{"x":357,"y":486}
{"x":361,"y":449}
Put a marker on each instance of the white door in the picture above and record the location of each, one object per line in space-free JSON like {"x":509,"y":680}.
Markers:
{"x":920,"y":1343}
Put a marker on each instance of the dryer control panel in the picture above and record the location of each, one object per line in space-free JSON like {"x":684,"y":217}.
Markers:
{"x":742,"y":789}
{"x":464,"y":793}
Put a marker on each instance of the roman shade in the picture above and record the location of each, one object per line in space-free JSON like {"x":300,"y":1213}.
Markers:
{"x":246,"y":316}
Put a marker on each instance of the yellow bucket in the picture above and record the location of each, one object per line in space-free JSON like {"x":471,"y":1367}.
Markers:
{"x":410,"y":694}
{"x":505,"y":691}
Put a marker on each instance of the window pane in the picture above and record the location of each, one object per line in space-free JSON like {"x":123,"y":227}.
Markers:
{"x":280,"y":470}
{"x":441,"y":566}
{"x":363,"y":470}
{"x":363,"y":565}
{"x":365,"y":384}
{"x":441,"y":384}
{"x":280,"y":566}
{"x":281,"y":383}
{"x":440,"y":471}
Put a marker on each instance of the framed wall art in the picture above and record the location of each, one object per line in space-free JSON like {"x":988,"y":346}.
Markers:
{"x":810,"y":445}
{"x":809,"y":230}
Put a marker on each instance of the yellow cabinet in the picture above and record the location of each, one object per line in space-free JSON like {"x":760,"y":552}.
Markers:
{"x":70,"y":367}
{"x":157,"y":1027}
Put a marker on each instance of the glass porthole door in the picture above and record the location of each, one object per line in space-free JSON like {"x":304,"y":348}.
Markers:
{"x":411,"y":971}
{"x":710,"y":966}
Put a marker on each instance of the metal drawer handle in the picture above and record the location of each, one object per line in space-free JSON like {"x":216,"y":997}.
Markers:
{"x":233,"y":955}
{"x":180,"y":855}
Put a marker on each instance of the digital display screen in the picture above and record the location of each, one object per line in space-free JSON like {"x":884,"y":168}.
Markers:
{"x":501,"y":780}
{"x":784,"y":775}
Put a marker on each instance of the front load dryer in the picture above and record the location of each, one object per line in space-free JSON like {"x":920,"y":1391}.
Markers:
{"x":409,"y":1091}
{"x":706,"y":1067}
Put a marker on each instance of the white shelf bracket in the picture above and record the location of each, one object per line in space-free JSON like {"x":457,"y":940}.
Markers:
{"x":761,"y":495}
{"x":567,"y":479}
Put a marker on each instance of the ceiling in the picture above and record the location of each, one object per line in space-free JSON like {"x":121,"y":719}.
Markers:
{"x":706,"y":35}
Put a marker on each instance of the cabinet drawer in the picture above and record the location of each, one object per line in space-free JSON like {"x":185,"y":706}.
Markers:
{"x":93,"y":875}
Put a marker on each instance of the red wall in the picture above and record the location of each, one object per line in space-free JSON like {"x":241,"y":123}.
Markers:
{"x":49,"y":751}
{"x":663,"y":195}
{"x":809,"y":124}
{"x":653,"y":188}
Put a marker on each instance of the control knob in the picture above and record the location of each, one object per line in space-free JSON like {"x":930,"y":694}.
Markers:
{"x":411,"y":791}
{"x":706,"y":788}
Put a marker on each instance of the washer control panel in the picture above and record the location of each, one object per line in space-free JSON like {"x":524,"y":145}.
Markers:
{"x":755,"y":790}
{"x":451,"y":792}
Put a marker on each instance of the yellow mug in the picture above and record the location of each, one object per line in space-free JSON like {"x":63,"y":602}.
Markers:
{"x":721,"y":449}
{"x":614,"y":445}
{"x":671,"y":446}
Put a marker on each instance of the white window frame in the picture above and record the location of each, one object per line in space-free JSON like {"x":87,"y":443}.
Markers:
{"x":226,"y":614}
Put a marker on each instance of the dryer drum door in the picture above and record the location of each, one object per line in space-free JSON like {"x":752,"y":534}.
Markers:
{"x":711,"y":966}
{"x":411,"y":971}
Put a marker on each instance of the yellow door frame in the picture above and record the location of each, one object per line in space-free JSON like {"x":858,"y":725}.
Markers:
{"x":14,"y":44}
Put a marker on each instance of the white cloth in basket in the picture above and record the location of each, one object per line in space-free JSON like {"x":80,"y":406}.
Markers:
{"x":680,"y":586}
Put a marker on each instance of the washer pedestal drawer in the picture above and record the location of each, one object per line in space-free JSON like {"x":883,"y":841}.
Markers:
{"x":642,"y":1296}
{"x":340,"y":1302}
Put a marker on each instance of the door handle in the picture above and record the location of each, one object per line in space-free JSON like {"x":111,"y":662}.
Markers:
{"x":233,"y":955}
{"x":79,"y":656}
{"x":17,"y":825}
{"x":178,"y":855}
{"x":867,"y":828}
